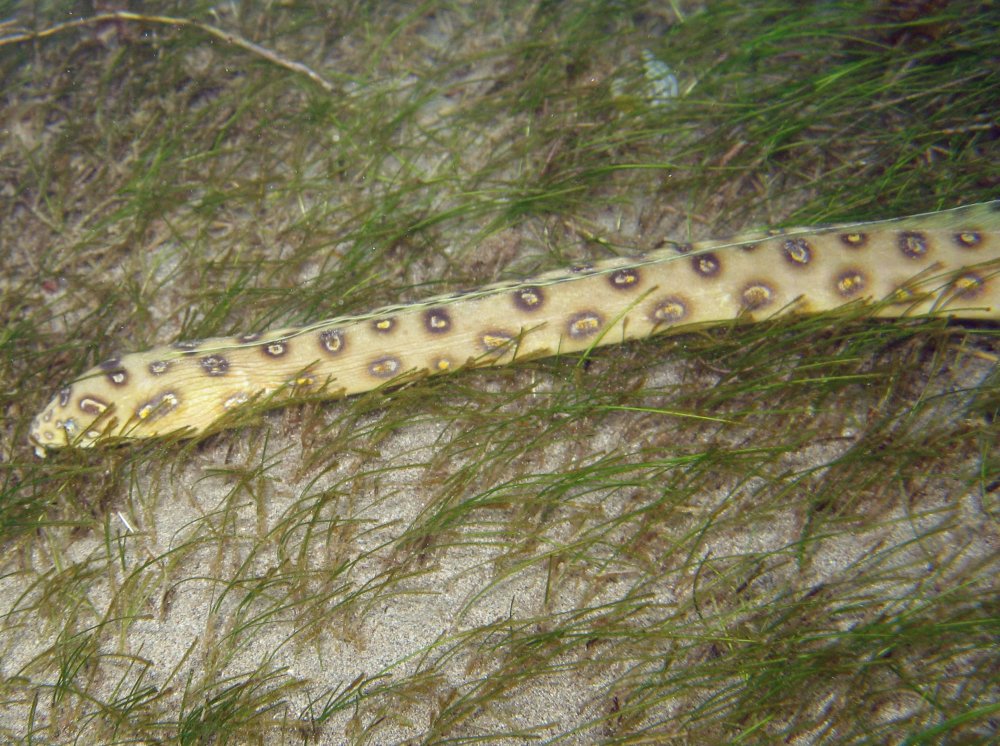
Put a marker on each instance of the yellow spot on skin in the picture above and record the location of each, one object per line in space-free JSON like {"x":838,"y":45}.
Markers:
{"x":442,"y":365}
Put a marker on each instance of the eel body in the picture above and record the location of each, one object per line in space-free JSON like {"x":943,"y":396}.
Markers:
{"x":945,"y":262}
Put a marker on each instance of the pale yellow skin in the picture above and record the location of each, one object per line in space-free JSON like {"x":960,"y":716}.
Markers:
{"x":945,"y":263}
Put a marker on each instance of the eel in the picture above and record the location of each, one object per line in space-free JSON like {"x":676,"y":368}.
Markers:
{"x":939,"y":263}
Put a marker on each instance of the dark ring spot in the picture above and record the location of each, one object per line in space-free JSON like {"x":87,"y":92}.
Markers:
{"x":968,"y":285}
{"x":214,"y":365}
{"x":913,"y":244}
{"x":188,"y":347}
{"x":384,"y":326}
{"x":159,"y":367}
{"x":240,"y":397}
{"x":275,"y":348}
{"x":706,"y":265}
{"x":114,"y":371}
{"x":669,"y":310}
{"x":384,"y":367}
{"x":159,"y":406}
{"x":247,"y":338}
{"x":624,"y":279}
{"x":757,"y":295}
{"x":64,"y":394}
{"x":968,"y":239}
{"x":529,"y":298}
{"x":236,"y":400}
{"x":584,"y":324}
{"x":582,"y":268}
{"x":496,"y":339}
{"x":851,"y":282}
{"x":332,"y":341}
{"x":437,"y":321}
{"x":92,"y":405}
{"x":902,"y":295}
{"x":853,"y":240}
{"x":797,"y":251}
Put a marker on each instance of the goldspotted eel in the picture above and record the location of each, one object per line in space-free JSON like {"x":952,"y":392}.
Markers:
{"x":944,"y":262}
